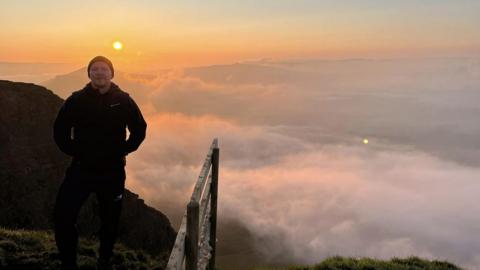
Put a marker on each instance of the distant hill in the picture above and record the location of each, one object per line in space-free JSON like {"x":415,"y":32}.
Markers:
{"x":32,"y":168}
{"x":64,"y":85}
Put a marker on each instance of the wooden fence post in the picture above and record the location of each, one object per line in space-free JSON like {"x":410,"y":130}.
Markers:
{"x":213,"y":206}
{"x":191,"y":241}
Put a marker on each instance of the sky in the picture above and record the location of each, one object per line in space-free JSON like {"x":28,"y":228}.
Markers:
{"x":162,"y":34}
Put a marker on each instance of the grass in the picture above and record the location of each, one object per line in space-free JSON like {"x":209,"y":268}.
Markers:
{"x":22,"y":249}
{"x":343,"y":263}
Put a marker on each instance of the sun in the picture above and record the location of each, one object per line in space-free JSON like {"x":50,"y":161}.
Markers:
{"x":117,"y":45}
{"x":365,"y":141}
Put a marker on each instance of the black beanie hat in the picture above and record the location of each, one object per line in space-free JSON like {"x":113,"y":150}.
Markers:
{"x":100,"y":59}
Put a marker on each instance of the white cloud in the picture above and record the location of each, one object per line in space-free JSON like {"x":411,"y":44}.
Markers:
{"x":334,"y":201}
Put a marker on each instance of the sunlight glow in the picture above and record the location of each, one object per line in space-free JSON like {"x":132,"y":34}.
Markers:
{"x":117,"y":45}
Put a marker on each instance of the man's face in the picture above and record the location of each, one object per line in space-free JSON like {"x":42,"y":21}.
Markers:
{"x":100,"y":74}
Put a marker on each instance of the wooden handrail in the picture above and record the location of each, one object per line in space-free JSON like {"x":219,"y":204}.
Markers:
{"x":213,"y":204}
{"x":195,"y":245}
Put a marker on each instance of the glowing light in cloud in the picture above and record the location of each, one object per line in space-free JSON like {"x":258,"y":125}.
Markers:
{"x":365,"y":141}
{"x":117,"y":45}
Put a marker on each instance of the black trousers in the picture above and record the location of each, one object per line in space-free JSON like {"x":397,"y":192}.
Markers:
{"x":78,"y":184}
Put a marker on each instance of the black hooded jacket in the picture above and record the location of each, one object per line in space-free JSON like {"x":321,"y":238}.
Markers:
{"x":91,"y":127}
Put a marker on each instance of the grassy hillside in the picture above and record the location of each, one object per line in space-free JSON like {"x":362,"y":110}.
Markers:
{"x":21,"y":249}
{"x":341,"y":263}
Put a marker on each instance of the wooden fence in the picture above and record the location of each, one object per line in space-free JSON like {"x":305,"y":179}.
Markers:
{"x":195,"y":244}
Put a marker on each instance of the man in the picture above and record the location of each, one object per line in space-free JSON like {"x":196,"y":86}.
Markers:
{"x":91,"y":127}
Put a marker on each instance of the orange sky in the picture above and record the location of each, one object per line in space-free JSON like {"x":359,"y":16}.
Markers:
{"x":169,"y":34}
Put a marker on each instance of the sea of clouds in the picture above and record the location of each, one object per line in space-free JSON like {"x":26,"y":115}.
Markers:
{"x":295,"y":170}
